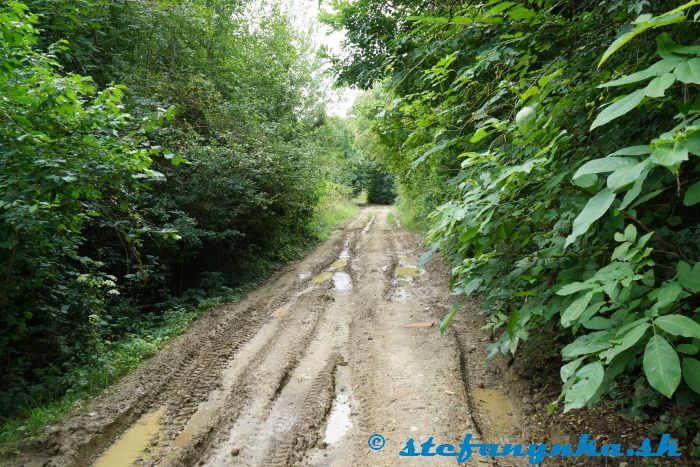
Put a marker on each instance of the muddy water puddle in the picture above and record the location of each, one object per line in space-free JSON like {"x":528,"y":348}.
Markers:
{"x":336,"y":436}
{"x":133,"y":444}
{"x":340,"y":264}
{"x":323,"y":277}
{"x":400,"y":295}
{"x":496,"y":410}
{"x":342,"y":281}
{"x":408,"y":271}
{"x":339,"y":421}
{"x":302,"y":276}
{"x":346,"y":250}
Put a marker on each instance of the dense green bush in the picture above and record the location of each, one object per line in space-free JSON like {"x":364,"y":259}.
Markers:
{"x":552,"y":145}
{"x":120,"y":204}
{"x":72,"y":160}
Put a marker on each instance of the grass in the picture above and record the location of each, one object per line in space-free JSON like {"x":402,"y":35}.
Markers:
{"x":333,"y":213}
{"x":409,"y":219}
{"x":113,"y":362}
{"x":391,"y":219}
{"x":120,"y":358}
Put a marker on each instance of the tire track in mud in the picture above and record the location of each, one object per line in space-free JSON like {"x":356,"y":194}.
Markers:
{"x":257,"y":382}
{"x":182,"y":375}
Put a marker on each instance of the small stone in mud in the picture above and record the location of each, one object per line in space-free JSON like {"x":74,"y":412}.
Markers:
{"x":471,"y":348}
{"x":322,"y":445}
{"x":370,"y":338}
{"x":480,"y":385}
{"x":235,"y":452}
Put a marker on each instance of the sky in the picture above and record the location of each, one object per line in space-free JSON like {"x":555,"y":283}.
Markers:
{"x":306,"y":17}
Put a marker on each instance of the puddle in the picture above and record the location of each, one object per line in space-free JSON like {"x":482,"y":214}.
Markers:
{"x":409,"y":271}
{"x":339,"y":421}
{"x":494,"y":406}
{"x":132,"y":444}
{"x":281,"y":312}
{"x":340,"y":264}
{"x":402,"y":282}
{"x":400,"y":295}
{"x":302,"y":276}
{"x":323,"y":277}
{"x":346,"y":250}
{"x":342,"y":281}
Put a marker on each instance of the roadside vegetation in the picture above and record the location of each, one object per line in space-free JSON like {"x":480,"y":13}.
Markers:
{"x":158,"y":158}
{"x":550,"y":149}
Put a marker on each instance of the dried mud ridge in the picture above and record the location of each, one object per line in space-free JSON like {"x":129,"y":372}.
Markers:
{"x":301,"y":371}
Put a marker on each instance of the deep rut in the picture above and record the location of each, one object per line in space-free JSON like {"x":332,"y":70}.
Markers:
{"x":300,"y":372}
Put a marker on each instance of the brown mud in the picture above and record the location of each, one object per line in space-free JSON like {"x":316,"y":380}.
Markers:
{"x":305,"y":369}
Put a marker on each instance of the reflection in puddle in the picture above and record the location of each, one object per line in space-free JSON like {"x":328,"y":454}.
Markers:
{"x":323,"y":277}
{"x":495,"y":407}
{"x":302,"y":276}
{"x":339,"y":422}
{"x":346,"y":250}
{"x":401,"y":295}
{"x":342,"y":281}
{"x":132,"y":444}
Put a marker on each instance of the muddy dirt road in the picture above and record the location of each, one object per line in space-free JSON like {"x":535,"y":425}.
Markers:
{"x":301,"y":372}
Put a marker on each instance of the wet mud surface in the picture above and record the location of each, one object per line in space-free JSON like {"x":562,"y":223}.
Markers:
{"x":333,"y":349}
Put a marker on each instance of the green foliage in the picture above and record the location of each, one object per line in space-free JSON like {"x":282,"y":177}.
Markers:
{"x":380,"y":188}
{"x":501,"y":128}
{"x":73,"y":160}
{"x":215,"y":164}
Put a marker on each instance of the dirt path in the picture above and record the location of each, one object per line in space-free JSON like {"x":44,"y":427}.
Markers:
{"x":301,"y":372}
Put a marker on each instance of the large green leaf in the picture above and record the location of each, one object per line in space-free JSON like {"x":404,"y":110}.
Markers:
{"x":692,"y":195}
{"x":624,"y":177}
{"x":691,"y":373}
{"x":619,"y":108}
{"x":658,"y":86}
{"x":688,"y":72}
{"x":678,"y":325}
{"x":574,"y":311}
{"x":590,"y":378}
{"x":644,"y":22}
{"x":573,"y":287}
{"x":657,"y":69}
{"x":632,"y":151}
{"x":594,"y":210}
{"x":670,"y":156}
{"x":606,"y":164}
{"x":587,"y":344}
{"x":568,"y":370}
{"x":689,"y":277}
{"x":662,"y":366}
{"x":630,"y":338}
